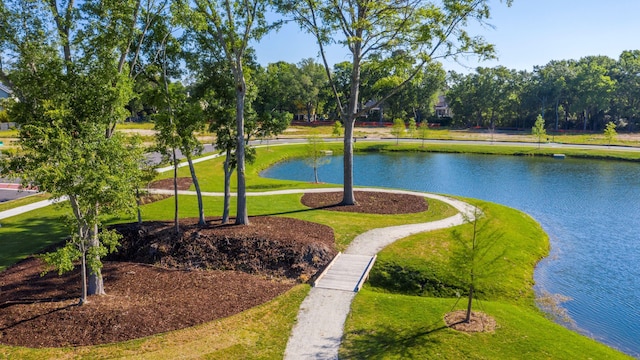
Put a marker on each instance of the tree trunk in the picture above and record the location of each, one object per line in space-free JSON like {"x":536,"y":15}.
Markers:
{"x":192,"y":170}
{"x":315,"y":173}
{"x":227,"y":187}
{"x":468,"y":317}
{"x":242,"y":215}
{"x":557,"y":113}
{"x":138,"y":202}
{"x":95,"y":285}
{"x":83,"y":277}
{"x":176,"y":220}
{"x":348,"y":197}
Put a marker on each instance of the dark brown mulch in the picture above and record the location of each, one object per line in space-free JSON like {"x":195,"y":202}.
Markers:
{"x":370,"y":202}
{"x":141,"y":300}
{"x":273,"y":246}
{"x":272,"y":253}
{"x":184,"y":183}
{"x":245,"y":266}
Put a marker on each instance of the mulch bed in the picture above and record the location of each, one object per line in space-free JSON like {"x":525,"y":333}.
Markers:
{"x":370,"y":202}
{"x":478,"y":321}
{"x":184,"y":183}
{"x":161,"y":282}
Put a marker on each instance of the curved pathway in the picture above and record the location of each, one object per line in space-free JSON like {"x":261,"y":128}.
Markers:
{"x":318,"y":331}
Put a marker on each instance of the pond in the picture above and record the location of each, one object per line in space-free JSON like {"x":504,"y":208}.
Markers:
{"x":589,"y":208}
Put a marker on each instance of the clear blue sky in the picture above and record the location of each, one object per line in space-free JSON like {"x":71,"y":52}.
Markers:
{"x":529,"y":33}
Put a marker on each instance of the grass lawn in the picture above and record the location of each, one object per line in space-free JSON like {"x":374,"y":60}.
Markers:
{"x":29,"y":233}
{"x":394,"y":326}
{"x":30,"y":199}
{"x":399,"y":314}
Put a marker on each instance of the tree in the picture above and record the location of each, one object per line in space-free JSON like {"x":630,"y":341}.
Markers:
{"x":424,"y":131}
{"x":398,"y":129}
{"x":337,"y":129}
{"x":316,"y":156}
{"x":412,"y":128}
{"x":387,"y":29}
{"x":538,"y":129}
{"x":312,"y":80}
{"x":177,"y":125}
{"x":474,"y":260}
{"x":69,"y":66}
{"x":627,"y":92}
{"x":593,"y":87}
{"x":230,"y":26}
{"x":610,"y":132}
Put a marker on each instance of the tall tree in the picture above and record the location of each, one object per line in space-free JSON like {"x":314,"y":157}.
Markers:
{"x":231,"y":25}
{"x":419,"y":30}
{"x":69,"y":70}
{"x":627,"y":93}
{"x":593,"y":87}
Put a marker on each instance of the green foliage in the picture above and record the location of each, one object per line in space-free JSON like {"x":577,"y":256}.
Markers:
{"x":610,"y":132}
{"x":4,"y":116}
{"x":63,"y":259}
{"x":424,"y":131}
{"x":538,"y":129}
{"x":411,"y":130}
{"x":337,"y":129}
{"x":398,"y":129}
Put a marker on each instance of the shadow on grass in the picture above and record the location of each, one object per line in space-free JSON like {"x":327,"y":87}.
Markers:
{"x":390,"y":342}
{"x":19,"y":239}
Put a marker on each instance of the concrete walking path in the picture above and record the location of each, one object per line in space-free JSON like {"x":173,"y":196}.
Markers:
{"x":26,"y":208}
{"x":319,"y":328}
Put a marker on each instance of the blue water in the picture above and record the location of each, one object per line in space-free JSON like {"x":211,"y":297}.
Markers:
{"x":590,"y":209}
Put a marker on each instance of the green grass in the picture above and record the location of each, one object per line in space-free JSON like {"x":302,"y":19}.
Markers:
{"x":499,"y":149}
{"x":389,"y":321}
{"x":393,"y":326}
{"x":30,"y":199}
{"x":135,"y":126}
{"x":29,"y":233}
{"x":511,"y":244}
{"x":211,"y":176}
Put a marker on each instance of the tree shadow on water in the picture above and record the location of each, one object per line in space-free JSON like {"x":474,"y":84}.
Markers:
{"x":388,"y":342}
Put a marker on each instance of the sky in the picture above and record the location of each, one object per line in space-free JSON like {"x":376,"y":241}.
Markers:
{"x":527,"y":34}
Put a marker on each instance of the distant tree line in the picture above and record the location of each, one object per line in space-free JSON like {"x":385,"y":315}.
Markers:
{"x":582,"y":95}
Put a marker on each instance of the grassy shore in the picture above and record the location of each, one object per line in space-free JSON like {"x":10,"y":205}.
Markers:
{"x":385,"y":322}
{"x":414,"y":283}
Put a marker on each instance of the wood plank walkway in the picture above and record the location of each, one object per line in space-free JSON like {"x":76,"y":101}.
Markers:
{"x":346,"y":272}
